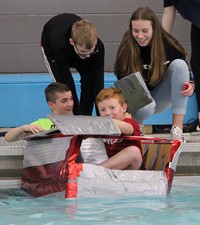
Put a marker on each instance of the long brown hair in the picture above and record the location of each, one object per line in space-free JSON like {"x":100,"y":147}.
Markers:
{"x":128,"y":55}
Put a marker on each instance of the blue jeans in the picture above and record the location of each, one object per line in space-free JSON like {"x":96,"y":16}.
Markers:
{"x":167,"y":92}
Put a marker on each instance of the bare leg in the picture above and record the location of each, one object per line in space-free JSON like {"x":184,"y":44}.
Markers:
{"x":128,"y":158}
{"x":177,"y":120}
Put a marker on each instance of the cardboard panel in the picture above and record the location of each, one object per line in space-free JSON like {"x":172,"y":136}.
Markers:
{"x":156,"y":156}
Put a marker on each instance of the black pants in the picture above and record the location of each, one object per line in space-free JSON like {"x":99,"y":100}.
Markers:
{"x":90,"y":87}
{"x":57,"y":76}
{"x":195,"y":60}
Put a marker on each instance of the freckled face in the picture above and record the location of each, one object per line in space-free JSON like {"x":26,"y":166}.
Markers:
{"x":112,"y":108}
{"x":142,"y":31}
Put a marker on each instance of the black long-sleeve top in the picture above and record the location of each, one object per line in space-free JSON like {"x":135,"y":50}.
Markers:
{"x":55,"y":40}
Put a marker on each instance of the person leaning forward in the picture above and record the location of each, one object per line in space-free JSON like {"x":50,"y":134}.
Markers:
{"x":68,"y":41}
{"x":147,"y":48}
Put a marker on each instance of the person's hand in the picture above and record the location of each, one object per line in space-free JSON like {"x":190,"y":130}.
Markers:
{"x":19,"y":132}
{"x":32,"y":128}
{"x":128,"y":115}
{"x":188,"y":88}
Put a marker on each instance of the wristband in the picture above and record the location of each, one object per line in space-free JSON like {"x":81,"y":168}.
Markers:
{"x":192,"y":83}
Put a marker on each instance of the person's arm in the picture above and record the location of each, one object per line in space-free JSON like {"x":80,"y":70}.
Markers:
{"x":20,"y":132}
{"x":125,"y":128}
{"x":168,"y":18}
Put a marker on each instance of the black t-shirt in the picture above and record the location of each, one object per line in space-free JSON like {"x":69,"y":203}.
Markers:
{"x":55,"y":40}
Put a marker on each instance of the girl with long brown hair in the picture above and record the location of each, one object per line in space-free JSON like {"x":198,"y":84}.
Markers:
{"x":146,"y":47}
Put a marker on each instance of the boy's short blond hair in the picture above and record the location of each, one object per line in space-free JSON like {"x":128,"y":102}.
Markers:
{"x":84,"y":33}
{"x":111,"y":92}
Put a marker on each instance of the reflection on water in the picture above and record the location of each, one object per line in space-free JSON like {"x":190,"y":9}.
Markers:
{"x":180,"y":207}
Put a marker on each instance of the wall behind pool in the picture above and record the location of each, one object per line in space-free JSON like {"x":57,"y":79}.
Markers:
{"x":22,"y":100}
{"x":22,"y":21}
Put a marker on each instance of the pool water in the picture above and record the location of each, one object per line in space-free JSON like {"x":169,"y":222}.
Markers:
{"x":181,"y":207}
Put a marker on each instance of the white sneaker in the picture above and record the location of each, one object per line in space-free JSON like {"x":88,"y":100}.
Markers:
{"x":176,"y":133}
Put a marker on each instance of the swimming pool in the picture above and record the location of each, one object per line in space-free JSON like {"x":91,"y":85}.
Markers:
{"x":182,"y":207}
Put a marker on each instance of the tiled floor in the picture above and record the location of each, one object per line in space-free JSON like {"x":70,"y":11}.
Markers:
{"x":187,"y":180}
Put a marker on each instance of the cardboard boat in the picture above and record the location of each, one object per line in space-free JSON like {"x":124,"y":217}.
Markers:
{"x":65,"y":161}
